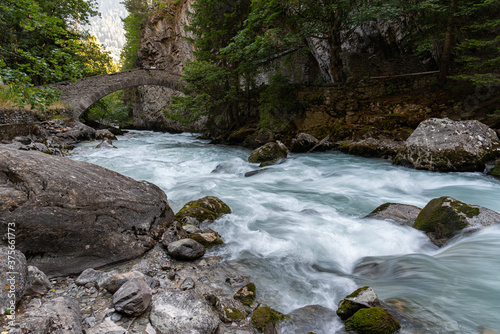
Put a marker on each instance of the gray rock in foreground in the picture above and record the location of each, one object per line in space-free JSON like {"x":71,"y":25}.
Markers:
{"x":450,"y":146}
{"x":186,"y":250}
{"x":133,"y":297}
{"x":38,"y":282}
{"x":13,"y":274}
{"x":73,"y":215}
{"x":175,"y":311}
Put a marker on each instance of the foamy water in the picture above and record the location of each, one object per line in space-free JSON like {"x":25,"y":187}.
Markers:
{"x":297,"y":229}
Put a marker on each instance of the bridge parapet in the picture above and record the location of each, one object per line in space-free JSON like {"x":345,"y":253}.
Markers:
{"x":79,"y":95}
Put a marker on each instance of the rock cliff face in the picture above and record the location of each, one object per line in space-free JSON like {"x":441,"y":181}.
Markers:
{"x":164,"y":45}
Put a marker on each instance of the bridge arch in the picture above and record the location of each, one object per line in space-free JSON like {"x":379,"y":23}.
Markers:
{"x":79,"y":95}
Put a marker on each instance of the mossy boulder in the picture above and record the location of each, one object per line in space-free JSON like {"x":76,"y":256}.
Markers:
{"x":374,"y":320}
{"x":400,"y":213}
{"x":246,"y":294}
{"x":208,"y":208}
{"x":269,"y":154}
{"x":450,"y":146}
{"x":265,"y":317}
{"x":445,"y":217}
{"x":364,"y":297}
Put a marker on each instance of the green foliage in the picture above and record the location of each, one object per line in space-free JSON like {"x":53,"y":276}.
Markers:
{"x":111,"y":109}
{"x":138,"y":13}
{"x":40,"y":44}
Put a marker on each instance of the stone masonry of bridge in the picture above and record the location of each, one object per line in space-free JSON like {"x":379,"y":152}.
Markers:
{"x":82,"y":93}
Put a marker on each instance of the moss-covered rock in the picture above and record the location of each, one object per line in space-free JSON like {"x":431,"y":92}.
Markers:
{"x":207,"y":208}
{"x":246,"y":294}
{"x":375,"y":320}
{"x":364,"y":297}
{"x":263,"y":316}
{"x":269,"y":154}
{"x":233,"y":314}
{"x":495,"y":171}
{"x":442,"y":218}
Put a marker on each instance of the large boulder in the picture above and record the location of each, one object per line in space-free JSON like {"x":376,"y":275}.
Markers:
{"x":449,"y":146}
{"x":269,"y":154}
{"x":72,"y":215}
{"x":445,"y":217}
{"x":174,"y":311}
{"x":14,"y":277}
{"x":400,"y":213}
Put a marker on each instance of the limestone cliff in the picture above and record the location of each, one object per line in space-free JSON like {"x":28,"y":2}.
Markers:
{"x":164,"y":45}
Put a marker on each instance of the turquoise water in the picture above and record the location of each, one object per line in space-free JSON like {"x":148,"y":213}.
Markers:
{"x":297,"y":229}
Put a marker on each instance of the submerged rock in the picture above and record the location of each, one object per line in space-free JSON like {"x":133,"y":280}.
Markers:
{"x":374,"y":320}
{"x":269,"y":154}
{"x":445,"y":217}
{"x":208,"y":208}
{"x":73,"y":215}
{"x":106,"y":143}
{"x":400,"y":213}
{"x":450,"y":146}
{"x":309,"y":319}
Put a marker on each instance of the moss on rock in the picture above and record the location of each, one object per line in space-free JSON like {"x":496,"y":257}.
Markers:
{"x":374,"y":320}
{"x":268,"y":154}
{"x":495,"y":171}
{"x":246,"y":294}
{"x":207,"y":239}
{"x":207,"y":208}
{"x":263,"y":316}
{"x":443,"y":217}
{"x":233,"y":314}
{"x":352,"y":304}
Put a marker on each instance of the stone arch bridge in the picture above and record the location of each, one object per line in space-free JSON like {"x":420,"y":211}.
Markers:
{"x":81,"y":94}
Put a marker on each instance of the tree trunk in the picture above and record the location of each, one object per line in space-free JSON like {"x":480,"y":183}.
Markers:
{"x":336,"y":65}
{"x":448,"y":44}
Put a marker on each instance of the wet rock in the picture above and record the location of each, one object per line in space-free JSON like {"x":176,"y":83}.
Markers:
{"x":175,"y":311}
{"x":269,"y":154}
{"x":108,"y":326}
{"x":400,"y":213}
{"x":186,"y":250}
{"x":133,"y":297}
{"x":265,"y":319}
{"x":255,"y":172}
{"x":364,"y":297}
{"x":173,"y":233}
{"x":303,"y":142}
{"x":309,"y":319}
{"x":38,"y":282}
{"x":450,"y":146}
{"x":113,"y":283}
{"x":246,"y":294}
{"x":445,"y":217}
{"x":373,"y":320}
{"x":495,"y":171}
{"x":208,"y":208}
{"x":59,"y":316}
{"x":207,"y":238}
{"x":13,"y":275}
{"x":105,"y":144}
{"x":74,"y":215}
{"x":104,"y":134}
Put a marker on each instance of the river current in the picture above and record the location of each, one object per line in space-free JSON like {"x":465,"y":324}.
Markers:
{"x":297,"y":229}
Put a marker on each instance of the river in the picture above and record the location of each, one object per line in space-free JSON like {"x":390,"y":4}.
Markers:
{"x":297,"y":229}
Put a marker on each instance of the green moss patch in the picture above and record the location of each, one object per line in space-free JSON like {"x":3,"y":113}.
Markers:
{"x":246,"y":294}
{"x":373,"y":320}
{"x":234,"y":314}
{"x":444,"y":217}
{"x":264,"y":316}
{"x":206,"y":208}
{"x":495,"y":171}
